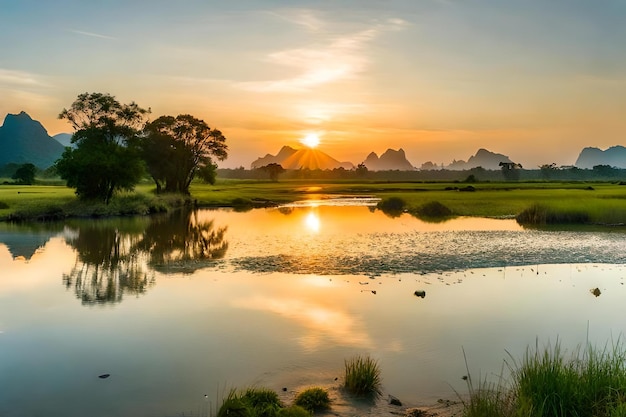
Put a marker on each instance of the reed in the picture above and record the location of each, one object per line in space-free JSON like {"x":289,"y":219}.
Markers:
{"x":362,"y":377}
{"x":548,"y":383}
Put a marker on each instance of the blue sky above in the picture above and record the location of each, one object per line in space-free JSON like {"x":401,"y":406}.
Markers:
{"x":536,"y":80}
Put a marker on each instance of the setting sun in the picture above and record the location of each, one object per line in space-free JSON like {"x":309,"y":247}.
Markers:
{"x":311,"y":140}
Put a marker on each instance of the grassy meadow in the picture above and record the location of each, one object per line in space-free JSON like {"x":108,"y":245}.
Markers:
{"x":602,"y":203}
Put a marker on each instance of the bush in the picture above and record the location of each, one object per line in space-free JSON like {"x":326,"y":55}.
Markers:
{"x":362,"y":377}
{"x":392,"y":206}
{"x":313,"y":399}
{"x":3,"y":205}
{"x":434,"y":209}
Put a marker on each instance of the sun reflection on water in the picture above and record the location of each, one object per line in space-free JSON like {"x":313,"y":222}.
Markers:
{"x":312,"y":222}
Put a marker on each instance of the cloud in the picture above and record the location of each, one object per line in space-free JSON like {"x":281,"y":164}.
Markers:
{"x":301,"y":17}
{"x":92,"y":34}
{"x":342,"y":58}
{"x":19,"y":78}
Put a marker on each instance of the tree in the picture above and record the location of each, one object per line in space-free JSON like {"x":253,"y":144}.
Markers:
{"x":25,"y":174}
{"x":273,"y":170}
{"x":105,"y":158}
{"x":548,"y":170}
{"x":361,"y":170}
{"x":177,"y":149}
{"x":510,"y":170}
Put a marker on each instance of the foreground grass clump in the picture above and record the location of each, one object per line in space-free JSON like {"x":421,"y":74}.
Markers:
{"x":546,"y":383}
{"x":253,"y":402}
{"x":313,"y":399}
{"x":538,"y":215}
{"x":362,"y":377}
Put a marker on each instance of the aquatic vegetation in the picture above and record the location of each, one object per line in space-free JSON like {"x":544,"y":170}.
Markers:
{"x":263,"y":401}
{"x":313,"y":399}
{"x":546,"y":383}
{"x":543,"y":215}
{"x":362,"y":377}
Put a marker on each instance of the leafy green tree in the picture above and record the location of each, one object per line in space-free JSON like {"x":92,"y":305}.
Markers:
{"x":105,"y":159}
{"x":177,"y":149}
{"x":25,"y":174}
{"x":273,"y":170}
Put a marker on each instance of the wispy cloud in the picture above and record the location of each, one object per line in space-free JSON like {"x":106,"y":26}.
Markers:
{"x":343,"y":58}
{"x":92,"y":34}
{"x":301,"y":17}
{"x":19,"y":78}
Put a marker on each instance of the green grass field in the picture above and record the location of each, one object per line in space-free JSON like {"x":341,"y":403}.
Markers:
{"x":604,"y":203}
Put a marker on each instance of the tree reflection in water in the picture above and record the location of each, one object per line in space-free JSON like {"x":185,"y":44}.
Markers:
{"x":182,"y":243}
{"x":113,"y":260}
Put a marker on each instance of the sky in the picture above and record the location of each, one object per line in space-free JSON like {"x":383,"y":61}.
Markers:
{"x":536,"y":80}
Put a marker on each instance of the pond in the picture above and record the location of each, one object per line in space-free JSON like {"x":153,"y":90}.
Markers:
{"x":176,"y":308}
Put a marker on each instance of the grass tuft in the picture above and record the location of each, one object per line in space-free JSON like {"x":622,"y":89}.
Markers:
{"x":313,"y":399}
{"x":362,"y":377}
{"x":547,"y":383}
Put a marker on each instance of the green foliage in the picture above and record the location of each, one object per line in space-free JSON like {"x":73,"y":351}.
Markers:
{"x":392,"y":206}
{"x":176,"y":149}
{"x":433,"y":209}
{"x":234,"y":406}
{"x":362,"y":377}
{"x":264,"y":402}
{"x":537,"y":215}
{"x":3,"y":205}
{"x":546,"y":383}
{"x":313,"y":399}
{"x":273,"y":170}
{"x":104,"y":160}
{"x":295,"y":411}
{"x":25,"y":174}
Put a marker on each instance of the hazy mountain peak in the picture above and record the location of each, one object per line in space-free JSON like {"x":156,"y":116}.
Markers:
{"x":24,"y":140}
{"x":390,"y":160}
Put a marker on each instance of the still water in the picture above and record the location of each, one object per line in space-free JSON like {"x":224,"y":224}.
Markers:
{"x":176,"y":308}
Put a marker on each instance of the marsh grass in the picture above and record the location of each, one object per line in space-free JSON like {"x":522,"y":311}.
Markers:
{"x":252,"y":402}
{"x":313,"y":399}
{"x":549,"y":383}
{"x":362,"y":377}
{"x":538,"y":215}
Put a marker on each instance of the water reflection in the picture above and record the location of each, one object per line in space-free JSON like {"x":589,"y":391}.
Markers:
{"x":183,"y":242}
{"x":112,"y":261}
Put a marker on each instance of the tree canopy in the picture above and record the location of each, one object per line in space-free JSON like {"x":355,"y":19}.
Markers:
{"x":105,"y":158}
{"x":177,"y":149}
{"x":25,"y":174}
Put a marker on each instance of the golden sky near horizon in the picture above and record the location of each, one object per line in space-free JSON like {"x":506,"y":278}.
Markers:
{"x":534,"y":80}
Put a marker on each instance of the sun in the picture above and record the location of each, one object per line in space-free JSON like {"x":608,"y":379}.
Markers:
{"x":311,"y":140}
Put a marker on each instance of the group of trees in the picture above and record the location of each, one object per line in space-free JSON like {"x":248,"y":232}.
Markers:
{"x":116,"y":144}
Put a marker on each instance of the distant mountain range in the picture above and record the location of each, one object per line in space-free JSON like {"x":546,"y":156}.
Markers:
{"x":24,"y":140}
{"x":290,"y":158}
{"x":388,"y":161}
{"x":614,"y":156}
